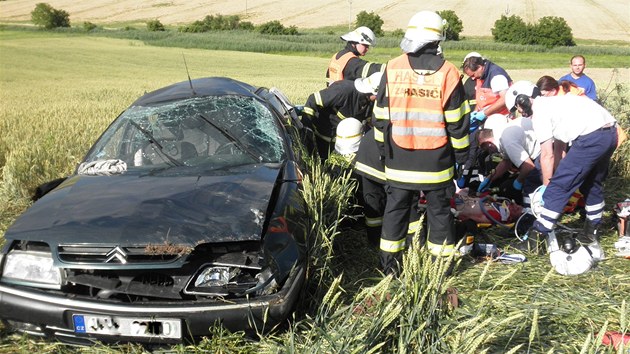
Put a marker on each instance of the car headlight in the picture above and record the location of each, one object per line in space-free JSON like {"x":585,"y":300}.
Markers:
{"x":31,"y":268}
{"x":216,"y":276}
{"x":228,"y":280}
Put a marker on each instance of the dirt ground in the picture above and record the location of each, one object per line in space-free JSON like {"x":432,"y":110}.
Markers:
{"x":589,"y":19}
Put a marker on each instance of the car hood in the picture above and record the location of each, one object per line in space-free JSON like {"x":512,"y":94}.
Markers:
{"x":151,"y":209}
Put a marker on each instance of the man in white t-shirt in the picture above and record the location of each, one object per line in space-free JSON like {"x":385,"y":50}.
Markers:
{"x":516,"y":141}
{"x":591,"y":131}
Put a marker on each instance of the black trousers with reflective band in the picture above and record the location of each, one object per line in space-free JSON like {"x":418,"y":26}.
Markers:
{"x":440,"y":220}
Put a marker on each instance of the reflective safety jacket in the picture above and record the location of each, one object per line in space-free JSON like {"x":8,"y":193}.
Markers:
{"x":483,"y":92}
{"x":416,"y":104}
{"x":336,"y":66}
{"x":347,"y":65}
{"x":421,"y":118}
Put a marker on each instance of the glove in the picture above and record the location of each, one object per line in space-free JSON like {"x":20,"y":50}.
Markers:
{"x":508,"y":190}
{"x":484,"y":185}
{"x":517,"y":185}
{"x":478,"y":116}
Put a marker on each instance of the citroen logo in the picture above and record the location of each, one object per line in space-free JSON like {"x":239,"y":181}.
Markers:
{"x":117,"y":254}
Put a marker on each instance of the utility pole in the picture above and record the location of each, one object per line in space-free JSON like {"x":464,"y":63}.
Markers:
{"x":350,"y":15}
{"x":245,"y":8}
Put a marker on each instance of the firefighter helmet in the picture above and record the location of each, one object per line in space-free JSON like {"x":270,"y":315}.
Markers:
{"x":362,"y":35}
{"x":426,"y":25}
{"x":519,"y":94}
{"x":369,"y":84}
{"x":349,"y":132}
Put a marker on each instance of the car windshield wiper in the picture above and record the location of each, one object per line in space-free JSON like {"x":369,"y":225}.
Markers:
{"x":230,"y":137}
{"x":154,"y":142}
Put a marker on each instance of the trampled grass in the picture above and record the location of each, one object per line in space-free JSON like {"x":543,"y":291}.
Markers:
{"x":58,"y":93}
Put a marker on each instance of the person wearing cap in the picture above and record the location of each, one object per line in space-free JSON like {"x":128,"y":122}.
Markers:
{"x":515,"y":140}
{"x":591,"y":131}
{"x":578,"y":77}
{"x":421,"y":123}
{"x":347,"y":64}
{"x":324,"y":109}
{"x":491,"y":83}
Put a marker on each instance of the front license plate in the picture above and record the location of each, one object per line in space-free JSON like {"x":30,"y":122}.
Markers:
{"x":127,"y":326}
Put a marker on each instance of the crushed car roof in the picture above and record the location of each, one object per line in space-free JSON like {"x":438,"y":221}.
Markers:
{"x":209,"y":86}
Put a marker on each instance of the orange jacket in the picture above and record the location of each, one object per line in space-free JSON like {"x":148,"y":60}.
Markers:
{"x":416,"y":104}
{"x":336,"y":66}
{"x":573,"y":90}
{"x":485,"y":97}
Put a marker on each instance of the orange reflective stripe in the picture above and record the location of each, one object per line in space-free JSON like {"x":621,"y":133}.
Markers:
{"x":336,"y":66}
{"x":416,"y":103}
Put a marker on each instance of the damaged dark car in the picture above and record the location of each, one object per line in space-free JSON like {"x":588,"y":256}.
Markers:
{"x":186,"y":213}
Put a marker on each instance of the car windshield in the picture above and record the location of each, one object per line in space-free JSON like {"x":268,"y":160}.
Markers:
{"x":211,"y":131}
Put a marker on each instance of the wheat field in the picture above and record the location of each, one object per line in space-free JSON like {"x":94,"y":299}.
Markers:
{"x":589,"y":19}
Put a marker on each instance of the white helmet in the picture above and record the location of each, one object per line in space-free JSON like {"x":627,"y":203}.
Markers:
{"x":349,"y":132}
{"x":575,"y":262}
{"x":361,"y":35}
{"x":473,"y":54}
{"x":424,"y":27}
{"x":526,"y":88}
{"x":369,"y":84}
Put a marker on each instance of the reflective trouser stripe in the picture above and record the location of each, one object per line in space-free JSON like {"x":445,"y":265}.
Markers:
{"x":595,"y":212}
{"x":374,"y":222}
{"x":440,"y":250}
{"x":392,"y":246}
{"x":413,"y":227}
{"x":548,"y":224}
{"x":419,"y":177}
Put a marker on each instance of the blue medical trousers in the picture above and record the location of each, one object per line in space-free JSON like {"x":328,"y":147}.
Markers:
{"x":586,"y":167}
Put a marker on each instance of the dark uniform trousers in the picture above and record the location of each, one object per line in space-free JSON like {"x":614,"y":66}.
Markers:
{"x":440,"y":221}
{"x":586,"y":167}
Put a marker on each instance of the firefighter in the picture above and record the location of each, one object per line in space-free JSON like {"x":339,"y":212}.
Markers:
{"x":421,"y":124}
{"x":347,"y":64}
{"x":591,"y":131}
{"x":369,"y":166}
{"x":324,"y":109}
{"x":492,"y":81}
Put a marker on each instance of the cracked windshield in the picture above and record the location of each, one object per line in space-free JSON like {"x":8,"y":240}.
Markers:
{"x":224,"y":130}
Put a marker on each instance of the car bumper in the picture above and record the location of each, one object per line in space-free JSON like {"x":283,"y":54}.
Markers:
{"x":46,"y":315}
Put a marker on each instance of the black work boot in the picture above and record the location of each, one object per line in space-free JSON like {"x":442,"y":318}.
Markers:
{"x":391,"y":263}
{"x":589,"y":239}
{"x":589,"y":233}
